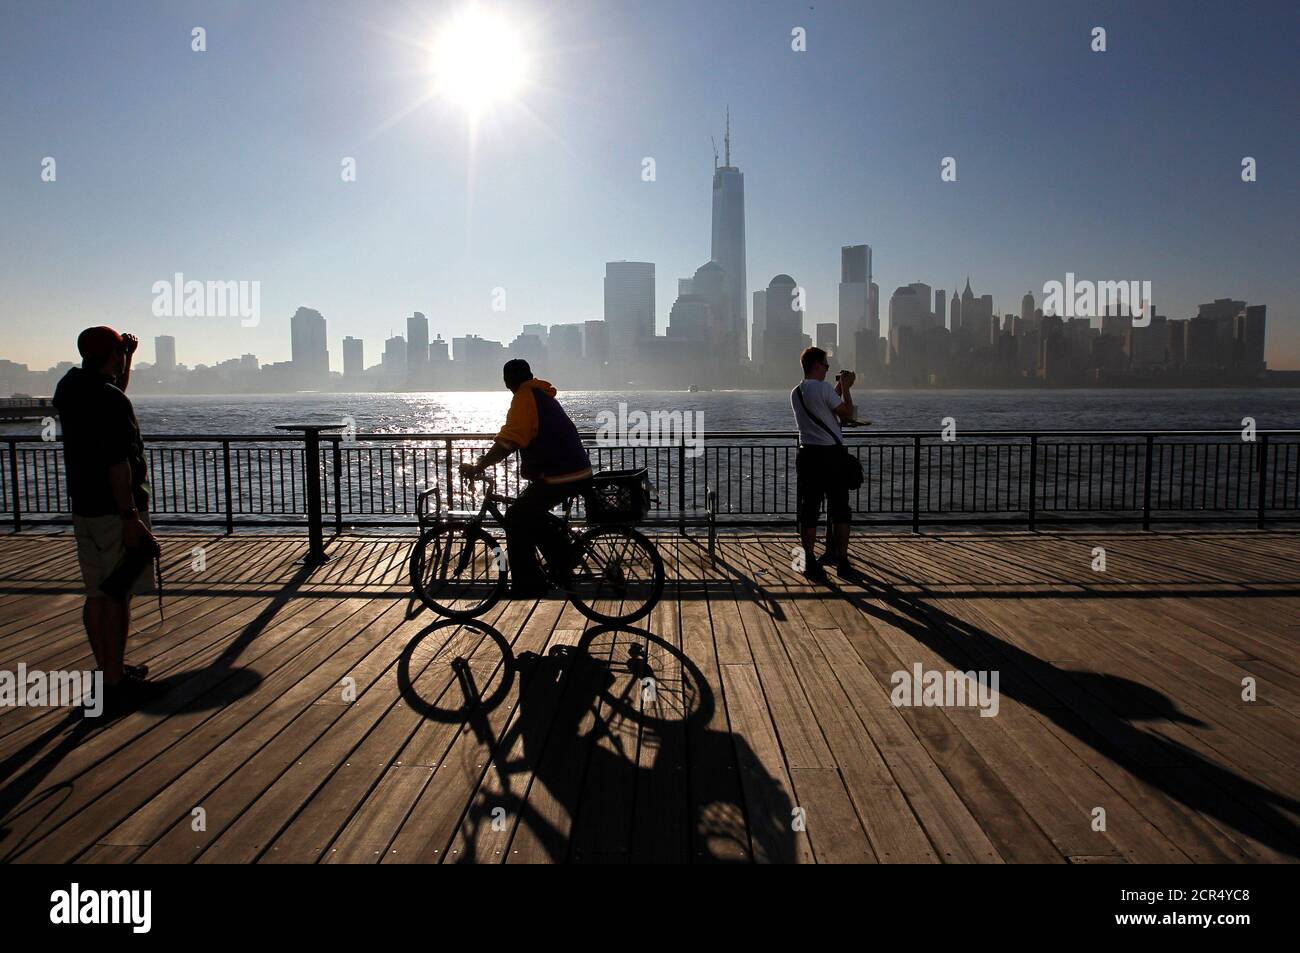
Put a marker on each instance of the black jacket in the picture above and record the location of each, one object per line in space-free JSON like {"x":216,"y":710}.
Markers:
{"x":99,"y":431}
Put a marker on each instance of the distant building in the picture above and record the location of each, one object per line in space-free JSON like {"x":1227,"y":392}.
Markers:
{"x":712,"y":285}
{"x":595,"y":342}
{"x":1176,"y":343}
{"x":564,"y":350}
{"x":1202,"y":347}
{"x":394,"y":359}
{"x":478,"y":359}
{"x":756,"y":346}
{"x":1222,"y":312}
{"x":310,"y":355}
{"x":417,"y":350}
{"x":629,"y":306}
{"x":828,"y":337}
{"x":1027,"y":308}
{"x":164,"y":350}
{"x":855,"y":309}
{"x":690,"y":318}
{"x":1250,"y":338}
{"x":783,"y":329}
{"x":1149,"y":344}
{"x":531,"y":348}
{"x":354,"y":358}
{"x":728,"y":250}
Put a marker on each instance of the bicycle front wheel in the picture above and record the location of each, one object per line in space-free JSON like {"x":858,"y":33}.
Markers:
{"x":458,"y":571}
{"x":618,"y":576}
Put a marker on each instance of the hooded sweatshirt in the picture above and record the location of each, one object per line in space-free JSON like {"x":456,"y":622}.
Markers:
{"x":548,"y":442}
{"x":99,"y":432}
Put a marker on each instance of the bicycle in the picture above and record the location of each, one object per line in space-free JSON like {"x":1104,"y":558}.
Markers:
{"x":614,"y":575}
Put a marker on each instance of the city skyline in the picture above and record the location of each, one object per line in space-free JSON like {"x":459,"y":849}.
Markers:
{"x":426,"y":227}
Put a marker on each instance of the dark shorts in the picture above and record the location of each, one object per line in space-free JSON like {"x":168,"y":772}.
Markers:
{"x":820,"y":473}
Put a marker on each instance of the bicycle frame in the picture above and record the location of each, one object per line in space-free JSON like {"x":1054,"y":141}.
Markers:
{"x":490,"y":506}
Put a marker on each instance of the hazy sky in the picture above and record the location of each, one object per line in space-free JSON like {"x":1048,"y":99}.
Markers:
{"x":225,"y":165}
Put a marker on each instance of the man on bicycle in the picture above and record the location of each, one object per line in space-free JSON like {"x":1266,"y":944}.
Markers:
{"x":553,"y":459}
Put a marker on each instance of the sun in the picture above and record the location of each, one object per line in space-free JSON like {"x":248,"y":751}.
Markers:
{"x":479,"y":60}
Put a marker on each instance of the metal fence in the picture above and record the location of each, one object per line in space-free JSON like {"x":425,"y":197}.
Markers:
{"x":912,"y":478}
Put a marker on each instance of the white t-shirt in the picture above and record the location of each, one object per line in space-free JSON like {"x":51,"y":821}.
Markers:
{"x":822,"y":400}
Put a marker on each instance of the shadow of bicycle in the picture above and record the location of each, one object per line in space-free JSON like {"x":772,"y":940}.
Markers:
{"x":610,"y":750}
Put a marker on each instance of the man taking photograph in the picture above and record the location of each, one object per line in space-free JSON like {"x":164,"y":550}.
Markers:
{"x":819,"y":408}
{"x":107,"y":480}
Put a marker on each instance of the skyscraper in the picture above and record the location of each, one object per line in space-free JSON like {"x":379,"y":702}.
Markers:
{"x":311,"y":358}
{"x":629,"y":306}
{"x":855,"y":299}
{"x":711,"y":284}
{"x":1250,"y":337}
{"x":354,"y":357}
{"x":417,"y":349}
{"x":164,"y":355}
{"x":827,"y":337}
{"x":756,"y":346}
{"x":728,"y":248}
{"x":783,"y":329}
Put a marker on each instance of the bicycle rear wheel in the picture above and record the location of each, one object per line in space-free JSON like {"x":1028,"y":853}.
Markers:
{"x":618,"y":576}
{"x":458,"y":571}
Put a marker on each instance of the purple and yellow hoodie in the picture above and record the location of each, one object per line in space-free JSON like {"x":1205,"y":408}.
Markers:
{"x":548,"y":442}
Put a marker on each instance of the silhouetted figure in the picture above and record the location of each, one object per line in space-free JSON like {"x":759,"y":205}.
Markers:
{"x":553,"y":459}
{"x":108,"y":484}
{"x":818,"y":409}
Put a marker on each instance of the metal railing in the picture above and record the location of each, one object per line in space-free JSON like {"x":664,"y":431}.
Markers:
{"x":913,"y":478}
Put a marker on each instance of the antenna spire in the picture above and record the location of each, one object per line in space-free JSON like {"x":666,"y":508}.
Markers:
{"x":727,"y":139}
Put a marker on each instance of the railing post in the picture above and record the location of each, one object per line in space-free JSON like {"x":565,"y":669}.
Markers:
{"x":916,"y":484}
{"x":13,"y":485}
{"x":338,"y":486}
{"x":1033,"y":480}
{"x":450,"y":485}
{"x":315,"y":532}
{"x":681,"y":488}
{"x":1263,"y":479}
{"x":316,"y":554}
{"x":1146,"y":483}
{"x":230,"y":500}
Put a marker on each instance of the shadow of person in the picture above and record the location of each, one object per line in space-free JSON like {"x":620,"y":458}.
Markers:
{"x":215,"y":685}
{"x":601,"y":733}
{"x":1098,"y":709}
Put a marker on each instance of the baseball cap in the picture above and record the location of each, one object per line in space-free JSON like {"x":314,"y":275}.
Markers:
{"x":96,"y":344}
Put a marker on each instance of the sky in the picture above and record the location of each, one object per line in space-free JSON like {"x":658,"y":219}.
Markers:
{"x":225,"y":165}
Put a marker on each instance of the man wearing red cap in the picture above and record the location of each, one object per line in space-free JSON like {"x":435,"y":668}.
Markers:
{"x":107,"y":480}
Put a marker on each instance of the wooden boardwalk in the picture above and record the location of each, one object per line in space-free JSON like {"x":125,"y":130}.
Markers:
{"x":319,"y":717}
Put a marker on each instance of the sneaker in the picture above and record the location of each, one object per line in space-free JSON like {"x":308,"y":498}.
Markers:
{"x":814,"y":572}
{"x":844,"y":569}
{"x":129,"y":695}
